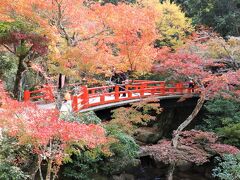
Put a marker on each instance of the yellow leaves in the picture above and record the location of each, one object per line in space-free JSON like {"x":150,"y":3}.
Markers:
{"x":219,"y":48}
{"x":172,"y":24}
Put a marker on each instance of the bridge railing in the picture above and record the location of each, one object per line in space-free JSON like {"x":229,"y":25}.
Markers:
{"x":45,"y":93}
{"x":91,"y":97}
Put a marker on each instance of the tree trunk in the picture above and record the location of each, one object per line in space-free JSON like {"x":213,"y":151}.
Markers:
{"x":182,"y":126}
{"x":19,"y":77}
{"x":190,"y":118}
{"x":171,"y":171}
{"x":59,"y":99}
{"x":40,"y":167}
{"x":34,"y":168}
{"x":49,"y":170}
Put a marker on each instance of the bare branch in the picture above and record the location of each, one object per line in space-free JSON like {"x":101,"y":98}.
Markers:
{"x":72,"y":39}
{"x":94,"y":35}
{"x":9,"y":49}
{"x":234,"y":63}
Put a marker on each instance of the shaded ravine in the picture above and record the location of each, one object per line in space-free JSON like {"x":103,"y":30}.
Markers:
{"x":173,"y":115}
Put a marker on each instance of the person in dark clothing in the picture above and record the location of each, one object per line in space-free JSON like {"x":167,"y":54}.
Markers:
{"x":191,"y":85}
{"x":120,"y":78}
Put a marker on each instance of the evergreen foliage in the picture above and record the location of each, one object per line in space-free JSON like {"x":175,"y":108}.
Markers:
{"x":8,"y":69}
{"x":223,"y":117}
{"x":124,"y":149}
{"x":14,"y":158}
{"x":84,"y":164}
{"x":228,"y":168}
{"x":84,"y":118}
{"x":221,"y":15}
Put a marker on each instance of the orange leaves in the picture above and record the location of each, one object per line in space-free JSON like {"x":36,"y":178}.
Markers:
{"x":110,"y":35}
{"x":133,"y":32}
{"x":102,"y":36}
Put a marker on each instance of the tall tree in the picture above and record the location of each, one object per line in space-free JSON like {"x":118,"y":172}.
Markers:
{"x":94,"y":32}
{"x":45,"y":133}
{"x":26,"y":47}
{"x":172,"y":25}
{"x":185,"y":64}
{"x":222,"y":15}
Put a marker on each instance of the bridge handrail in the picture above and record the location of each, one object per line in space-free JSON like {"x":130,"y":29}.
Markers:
{"x":132,"y":89}
{"x":139,"y":88}
{"x":46,"y":93}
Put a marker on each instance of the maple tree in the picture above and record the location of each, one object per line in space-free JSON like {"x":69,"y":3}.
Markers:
{"x":25,"y":46}
{"x":94,"y":35}
{"x":208,"y":44}
{"x":139,"y":114}
{"x":225,"y":51}
{"x":48,"y":135}
{"x":116,"y":44}
{"x":209,"y":83}
{"x":194,"y":146}
{"x":191,"y":66}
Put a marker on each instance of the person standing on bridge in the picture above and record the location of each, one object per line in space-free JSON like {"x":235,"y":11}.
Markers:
{"x":191,"y":85}
{"x":119,"y":78}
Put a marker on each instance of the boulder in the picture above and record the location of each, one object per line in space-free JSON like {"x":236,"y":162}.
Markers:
{"x":147,"y":135}
{"x":123,"y":177}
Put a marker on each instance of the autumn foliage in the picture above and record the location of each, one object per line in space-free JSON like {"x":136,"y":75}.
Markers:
{"x":92,"y":36}
{"x":48,"y":135}
{"x":83,"y":38}
{"x":192,"y":66}
{"x":194,"y":146}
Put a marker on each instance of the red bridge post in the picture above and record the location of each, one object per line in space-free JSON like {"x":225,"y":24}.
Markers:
{"x":179,"y":88}
{"x":129,"y":94}
{"x":75,"y":103}
{"x":142,"y":86}
{"x":85,"y":97}
{"x":26,"y":95}
{"x":116,"y":92}
{"x":102,"y":98}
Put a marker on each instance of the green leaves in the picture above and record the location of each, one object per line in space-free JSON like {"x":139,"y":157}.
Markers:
{"x":84,"y":118}
{"x":228,"y":168}
{"x":13,"y":159}
{"x":223,"y":117}
{"x":219,"y":14}
{"x":10,"y":172}
{"x":85,"y":163}
{"x":18,"y":25}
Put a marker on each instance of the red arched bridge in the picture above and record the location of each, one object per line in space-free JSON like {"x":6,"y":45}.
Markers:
{"x":84,"y":98}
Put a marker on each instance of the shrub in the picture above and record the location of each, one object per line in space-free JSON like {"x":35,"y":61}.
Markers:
{"x":84,"y":118}
{"x":84,"y":164}
{"x":223,"y":118}
{"x":228,"y":167}
{"x":14,"y":158}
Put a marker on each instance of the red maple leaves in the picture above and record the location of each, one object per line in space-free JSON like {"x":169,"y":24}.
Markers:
{"x":44,"y":130}
{"x":194,"y":146}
